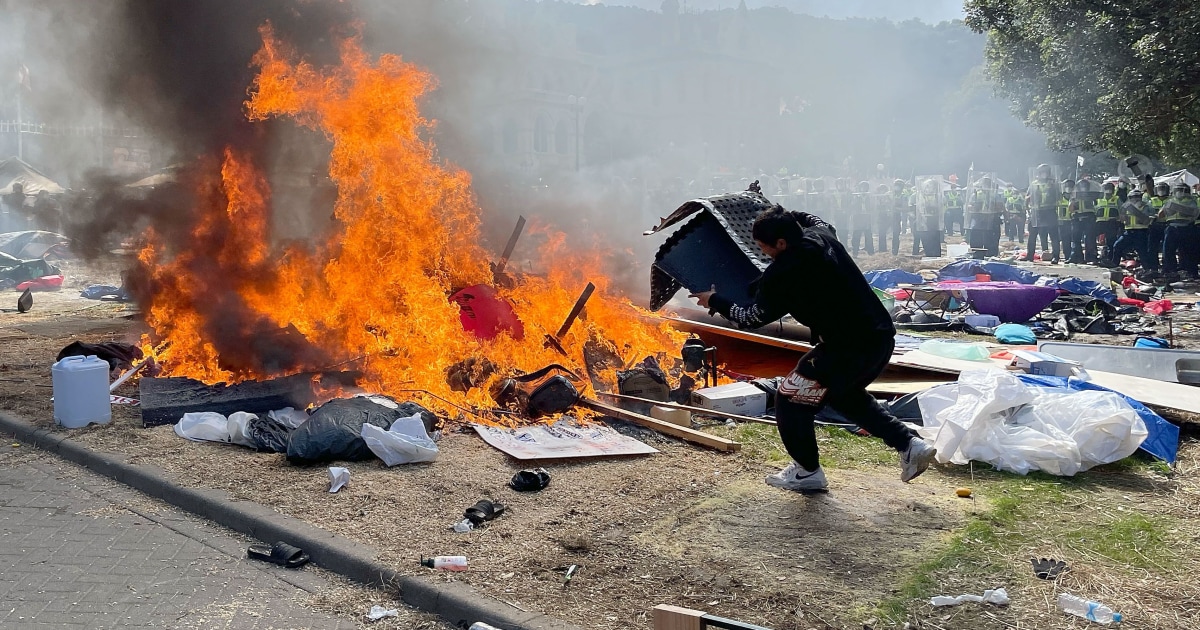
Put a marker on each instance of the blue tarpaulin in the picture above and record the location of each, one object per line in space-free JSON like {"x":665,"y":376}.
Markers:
{"x":1081,"y":287}
{"x":1000,"y":272}
{"x":888,"y":278}
{"x":1163,"y":440}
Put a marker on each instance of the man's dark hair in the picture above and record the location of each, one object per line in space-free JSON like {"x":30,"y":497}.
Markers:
{"x":776,"y":223}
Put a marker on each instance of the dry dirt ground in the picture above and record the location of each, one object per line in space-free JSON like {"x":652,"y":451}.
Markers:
{"x":696,"y":528}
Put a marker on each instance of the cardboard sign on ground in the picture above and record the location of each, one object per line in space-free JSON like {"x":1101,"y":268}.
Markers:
{"x":562,"y":440}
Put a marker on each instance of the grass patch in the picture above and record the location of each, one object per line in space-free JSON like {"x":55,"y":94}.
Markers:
{"x":1132,"y":539}
{"x":839,"y":448}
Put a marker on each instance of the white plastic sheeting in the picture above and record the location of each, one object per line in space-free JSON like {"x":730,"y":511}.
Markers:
{"x":993,"y":417}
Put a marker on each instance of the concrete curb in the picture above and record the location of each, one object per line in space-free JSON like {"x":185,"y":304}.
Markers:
{"x":457,"y":603}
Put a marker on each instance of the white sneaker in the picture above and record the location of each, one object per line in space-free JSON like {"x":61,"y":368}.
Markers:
{"x":796,"y":478}
{"x":915,"y":459}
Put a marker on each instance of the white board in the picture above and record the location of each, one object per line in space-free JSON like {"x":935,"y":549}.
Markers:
{"x":564,"y":439}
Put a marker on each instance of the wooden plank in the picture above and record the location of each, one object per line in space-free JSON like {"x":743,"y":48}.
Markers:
{"x":1149,"y":392}
{"x":787,"y":344}
{"x":903,"y":387}
{"x":676,"y":618}
{"x":698,"y":410}
{"x":683,"y":433}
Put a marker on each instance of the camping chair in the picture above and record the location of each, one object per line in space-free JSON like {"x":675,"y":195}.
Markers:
{"x":926,"y":300}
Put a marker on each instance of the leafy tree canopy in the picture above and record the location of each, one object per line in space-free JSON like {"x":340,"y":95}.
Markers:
{"x":1122,"y":75}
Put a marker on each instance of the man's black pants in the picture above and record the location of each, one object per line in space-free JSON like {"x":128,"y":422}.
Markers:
{"x":845,"y":372}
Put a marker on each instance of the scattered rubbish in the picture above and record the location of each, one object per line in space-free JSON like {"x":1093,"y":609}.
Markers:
{"x":203,"y":426}
{"x":997,"y":597}
{"x":956,"y":350}
{"x":15,"y":271}
{"x":963,"y":492}
{"x":982,"y":321}
{"x":485,"y":314}
{"x":479,"y":625}
{"x":1015,"y":334}
{"x":239,"y":429}
{"x":338,"y":478}
{"x":469,"y":373}
{"x":1048,"y":568}
{"x":483,"y":511}
{"x":464,"y":526}
{"x":1158,"y":307}
{"x":105,"y":292}
{"x":405,"y":442}
{"x":740,"y":398}
{"x":289,"y":416}
{"x":379,"y":612}
{"x":681,"y":417}
{"x":80,"y":392}
{"x":45,"y":283}
{"x":1092,"y":611}
{"x":113,"y":399}
{"x":1151,"y":342}
{"x":280,"y":553}
{"x":645,"y":380}
{"x":571,"y":570}
{"x":268,"y":434}
{"x":25,"y":302}
{"x":564,"y":439}
{"x":119,"y":356}
{"x":334,"y":431}
{"x":1042,"y":363}
{"x":545,"y":392}
{"x":995,"y":417}
{"x":684,"y":433}
{"x":530,"y":480}
{"x":16,"y":445}
{"x":446,"y":563}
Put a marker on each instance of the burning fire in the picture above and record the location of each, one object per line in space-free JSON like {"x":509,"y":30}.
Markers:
{"x":375,"y":295}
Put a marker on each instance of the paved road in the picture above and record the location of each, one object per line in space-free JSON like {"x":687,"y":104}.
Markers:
{"x":79,"y":551}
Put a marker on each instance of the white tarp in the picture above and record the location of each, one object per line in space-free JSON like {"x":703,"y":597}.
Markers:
{"x":563,"y":439}
{"x":1184,"y":176}
{"x":992,"y":416}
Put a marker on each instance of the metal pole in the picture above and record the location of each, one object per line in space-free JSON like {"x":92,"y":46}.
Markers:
{"x":20,"y":139}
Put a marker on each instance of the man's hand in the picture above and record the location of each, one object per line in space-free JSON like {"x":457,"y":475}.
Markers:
{"x":703,"y":297}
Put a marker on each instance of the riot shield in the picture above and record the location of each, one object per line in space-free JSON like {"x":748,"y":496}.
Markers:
{"x":930,"y":197}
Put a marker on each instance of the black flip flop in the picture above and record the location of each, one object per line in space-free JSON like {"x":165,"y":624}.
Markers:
{"x":280,"y":553}
{"x":530,"y":480}
{"x":484,"y":511}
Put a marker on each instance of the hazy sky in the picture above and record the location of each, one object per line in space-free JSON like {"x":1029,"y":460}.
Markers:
{"x":927,"y":10}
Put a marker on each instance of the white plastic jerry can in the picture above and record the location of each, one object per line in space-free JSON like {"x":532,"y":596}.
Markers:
{"x":81,"y":391}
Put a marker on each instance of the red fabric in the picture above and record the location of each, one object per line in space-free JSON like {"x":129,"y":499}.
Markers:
{"x":1007,"y":355}
{"x":1158,"y":307}
{"x":1127,"y":282}
{"x":484,"y":313}
{"x":45,"y":283}
{"x":1131,"y":302}
{"x":899,"y":294}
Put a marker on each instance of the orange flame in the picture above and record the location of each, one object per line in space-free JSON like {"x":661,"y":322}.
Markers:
{"x":408,"y":237}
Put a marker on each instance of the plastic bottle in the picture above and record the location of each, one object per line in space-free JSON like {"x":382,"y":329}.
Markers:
{"x":479,"y":625}
{"x":1092,"y":611}
{"x":446,"y":563}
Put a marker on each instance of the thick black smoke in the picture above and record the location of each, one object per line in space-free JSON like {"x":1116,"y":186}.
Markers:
{"x":180,"y":70}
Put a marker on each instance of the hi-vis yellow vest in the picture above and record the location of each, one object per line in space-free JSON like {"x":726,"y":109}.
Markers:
{"x":1131,"y":221}
{"x":1107,"y":209}
{"x":1065,"y":214}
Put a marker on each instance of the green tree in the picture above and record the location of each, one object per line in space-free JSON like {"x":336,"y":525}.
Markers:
{"x":1122,"y":75}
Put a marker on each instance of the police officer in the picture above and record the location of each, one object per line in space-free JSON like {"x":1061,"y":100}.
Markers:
{"x":1158,"y":229}
{"x":1014,"y":214}
{"x":1083,"y":219}
{"x":862,"y":217}
{"x":842,"y":204}
{"x":982,"y":220}
{"x":1180,"y":214}
{"x":900,"y":210}
{"x":1066,"y":223}
{"x":1108,"y":220}
{"x":954,"y":210}
{"x":1136,"y":217}
{"x":1043,"y":197}
{"x":882,"y":199}
{"x":927,"y":202}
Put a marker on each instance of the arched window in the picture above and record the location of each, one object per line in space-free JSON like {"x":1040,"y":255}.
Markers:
{"x":541,"y":135}
{"x":562,"y":137}
{"x":510,"y":137}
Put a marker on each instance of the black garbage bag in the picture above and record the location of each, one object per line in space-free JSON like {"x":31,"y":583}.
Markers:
{"x":120,"y":356}
{"x":269,"y":435}
{"x":334,"y":431}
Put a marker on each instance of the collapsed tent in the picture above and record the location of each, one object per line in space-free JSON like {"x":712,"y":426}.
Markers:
{"x":1018,"y":424}
{"x":32,"y":244}
{"x":1178,"y":177}
{"x":14,"y":170}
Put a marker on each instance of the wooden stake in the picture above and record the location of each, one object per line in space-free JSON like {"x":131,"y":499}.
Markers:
{"x":684,"y":433}
{"x":697,"y":410}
